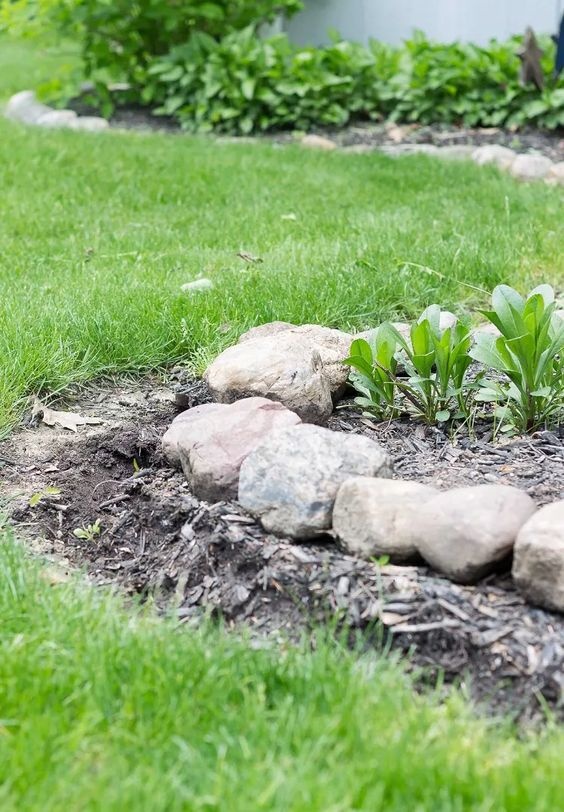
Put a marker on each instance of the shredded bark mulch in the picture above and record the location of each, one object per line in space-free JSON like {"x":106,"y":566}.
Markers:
{"x":192,"y":558}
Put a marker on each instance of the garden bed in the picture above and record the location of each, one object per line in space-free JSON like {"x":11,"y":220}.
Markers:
{"x":365,"y":135}
{"x":157,"y":540}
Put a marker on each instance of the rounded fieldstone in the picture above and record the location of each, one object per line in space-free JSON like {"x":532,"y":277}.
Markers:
{"x":555,"y":176}
{"x":212,"y":440}
{"x":318,"y":142}
{"x":538,"y":559}
{"x":374,"y":517}
{"x":290,"y":480}
{"x":463,"y":533}
{"x":530,"y":167}
{"x":300,"y":367}
{"x":495,"y":154}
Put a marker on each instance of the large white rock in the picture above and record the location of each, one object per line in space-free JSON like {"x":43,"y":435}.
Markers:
{"x":374,"y":517}
{"x":92,"y":124}
{"x":26,"y":108}
{"x":300,"y":367}
{"x":530,"y":167}
{"x":57,"y":119}
{"x":538,"y":558}
{"x":211,"y":441}
{"x":290,"y":480}
{"x":495,"y":154}
{"x":465,"y":532}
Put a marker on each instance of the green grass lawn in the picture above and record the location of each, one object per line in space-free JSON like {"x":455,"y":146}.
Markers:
{"x":98,"y":233}
{"x":105,"y":710}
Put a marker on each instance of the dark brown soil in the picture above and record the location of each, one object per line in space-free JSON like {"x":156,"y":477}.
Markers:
{"x":370,"y":134}
{"x":158,"y":540}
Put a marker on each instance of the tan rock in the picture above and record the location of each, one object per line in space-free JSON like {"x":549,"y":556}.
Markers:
{"x":555,"y":176}
{"x":374,"y":517}
{"x":318,"y":142}
{"x":299,"y":367}
{"x":465,"y":532}
{"x":263,"y":330}
{"x":538,"y":560}
{"x":495,"y":154}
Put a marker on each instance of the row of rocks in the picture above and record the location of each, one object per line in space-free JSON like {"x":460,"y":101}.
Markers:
{"x":25,"y":108}
{"x":304,"y":481}
{"x":524,"y":167}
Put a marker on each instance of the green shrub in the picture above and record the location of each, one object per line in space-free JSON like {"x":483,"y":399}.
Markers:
{"x":121,"y":38}
{"x":244,"y":83}
{"x":205,"y":63}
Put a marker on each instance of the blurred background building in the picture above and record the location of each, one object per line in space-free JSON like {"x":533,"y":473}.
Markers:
{"x":443,"y":20}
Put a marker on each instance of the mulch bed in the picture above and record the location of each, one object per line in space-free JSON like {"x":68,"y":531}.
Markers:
{"x":194,"y":558}
{"x":369,"y":134}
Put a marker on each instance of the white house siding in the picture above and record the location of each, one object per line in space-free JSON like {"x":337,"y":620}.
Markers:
{"x":443,"y":20}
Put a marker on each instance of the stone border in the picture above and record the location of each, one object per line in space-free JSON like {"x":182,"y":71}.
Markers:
{"x":25,"y":108}
{"x":306,"y":480}
{"x":523,"y":167}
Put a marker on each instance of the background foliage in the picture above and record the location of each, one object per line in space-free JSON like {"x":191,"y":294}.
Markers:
{"x":207,"y":65}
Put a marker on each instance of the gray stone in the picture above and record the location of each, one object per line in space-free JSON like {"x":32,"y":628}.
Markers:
{"x":299,"y":367}
{"x":464,"y":532}
{"x":374,"y":517}
{"x":290,"y":481}
{"x":92,"y":124}
{"x":359,"y":149}
{"x":211,"y":441}
{"x":400,"y":150}
{"x":555,"y":176}
{"x":457,"y":152}
{"x":318,"y":142}
{"x":495,"y":154}
{"x":26,"y":108}
{"x":538,"y":561}
{"x":56,"y":119}
{"x":530,"y":167}
{"x":197,"y":286}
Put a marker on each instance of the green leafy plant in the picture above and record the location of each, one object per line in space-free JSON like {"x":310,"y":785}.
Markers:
{"x":374,"y":372}
{"x":434,"y":360}
{"x":529,"y":354}
{"x":88,"y":533}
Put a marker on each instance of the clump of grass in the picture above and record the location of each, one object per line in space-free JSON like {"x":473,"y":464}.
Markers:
{"x":107,"y":710}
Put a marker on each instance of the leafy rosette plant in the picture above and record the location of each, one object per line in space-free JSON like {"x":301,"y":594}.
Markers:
{"x":434,"y":363}
{"x":529,"y":353}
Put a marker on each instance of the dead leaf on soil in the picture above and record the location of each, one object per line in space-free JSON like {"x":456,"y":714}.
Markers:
{"x":67,"y":420}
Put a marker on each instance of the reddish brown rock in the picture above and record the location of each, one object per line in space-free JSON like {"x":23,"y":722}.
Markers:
{"x":211,"y":442}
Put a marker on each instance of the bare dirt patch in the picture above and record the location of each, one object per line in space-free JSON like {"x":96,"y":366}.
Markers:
{"x":157,"y":540}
